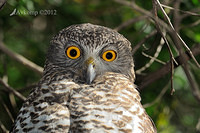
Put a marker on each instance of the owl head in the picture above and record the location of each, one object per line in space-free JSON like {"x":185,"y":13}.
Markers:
{"x":89,"y":51}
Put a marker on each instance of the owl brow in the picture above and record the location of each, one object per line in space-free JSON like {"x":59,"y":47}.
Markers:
{"x":73,"y":43}
{"x":120,"y":44}
{"x":109,"y":45}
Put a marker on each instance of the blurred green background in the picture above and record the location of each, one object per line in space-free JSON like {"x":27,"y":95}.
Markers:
{"x":29,"y":34}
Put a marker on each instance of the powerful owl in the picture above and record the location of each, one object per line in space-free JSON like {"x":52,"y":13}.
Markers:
{"x":87,"y":86}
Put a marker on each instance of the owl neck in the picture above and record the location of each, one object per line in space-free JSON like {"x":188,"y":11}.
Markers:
{"x":49,"y":68}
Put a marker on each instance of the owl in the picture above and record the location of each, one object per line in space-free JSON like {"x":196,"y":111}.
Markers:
{"x":87,"y":86}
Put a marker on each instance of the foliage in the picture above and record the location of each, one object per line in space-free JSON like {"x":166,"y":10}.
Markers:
{"x":29,"y":31}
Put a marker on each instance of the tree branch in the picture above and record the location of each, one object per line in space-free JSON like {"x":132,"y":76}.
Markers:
{"x":21,"y":59}
{"x":186,"y":12}
{"x":129,"y":22}
{"x":137,"y":8}
{"x":10,"y":89}
{"x":158,"y":98}
{"x":154,"y":58}
{"x":7,"y":110}
{"x":177,"y":42}
{"x":3,"y":128}
{"x":2,"y":3}
{"x":152,"y":77}
{"x":169,"y":27}
{"x":138,"y":45}
{"x":175,"y":34}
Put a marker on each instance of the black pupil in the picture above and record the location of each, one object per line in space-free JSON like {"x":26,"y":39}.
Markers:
{"x":109,"y":55}
{"x":73,"y":52}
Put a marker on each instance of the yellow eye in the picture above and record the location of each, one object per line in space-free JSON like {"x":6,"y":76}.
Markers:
{"x":73,"y":52}
{"x":109,"y":55}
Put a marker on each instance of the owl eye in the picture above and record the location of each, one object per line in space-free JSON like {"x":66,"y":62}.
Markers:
{"x":73,"y":52}
{"x":109,"y":55}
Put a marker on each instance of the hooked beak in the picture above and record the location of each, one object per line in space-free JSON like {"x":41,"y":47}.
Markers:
{"x":90,"y":70}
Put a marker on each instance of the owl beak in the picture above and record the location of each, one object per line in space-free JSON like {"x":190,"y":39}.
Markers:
{"x":90,"y":70}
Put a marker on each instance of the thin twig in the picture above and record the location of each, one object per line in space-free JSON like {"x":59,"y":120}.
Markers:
{"x":152,"y":77}
{"x":196,"y":23}
{"x":198,"y":126}
{"x":28,"y":88}
{"x":3,"y":128}
{"x":129,"y":22}
{"x":7,"y":110}
{"x":193,"y":84}
{"x":196,"y":10}
{"x":134,"y":6}
{"x":158,"y":98}
{"x":174,"y":31}
{"x":139,"y":71}
{"x":2,"y":3}
{"x":21,"y":59}
{"x":160,"y":31}
{"x":186,"y":12}
{"x":172,"y":75}
{"x":169,"y":28}
{"x":147,"y":13}
{"x":10,"y":89}
{"x":137,"y":46}
{"x":154,"y":58}
{"x":172,"y":60}
{"x":13,"y":101}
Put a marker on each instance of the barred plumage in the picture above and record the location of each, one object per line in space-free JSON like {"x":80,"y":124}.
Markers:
{"x":66,"y":101}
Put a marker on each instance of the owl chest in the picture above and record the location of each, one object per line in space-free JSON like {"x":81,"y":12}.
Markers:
{"x":110,"y":112}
